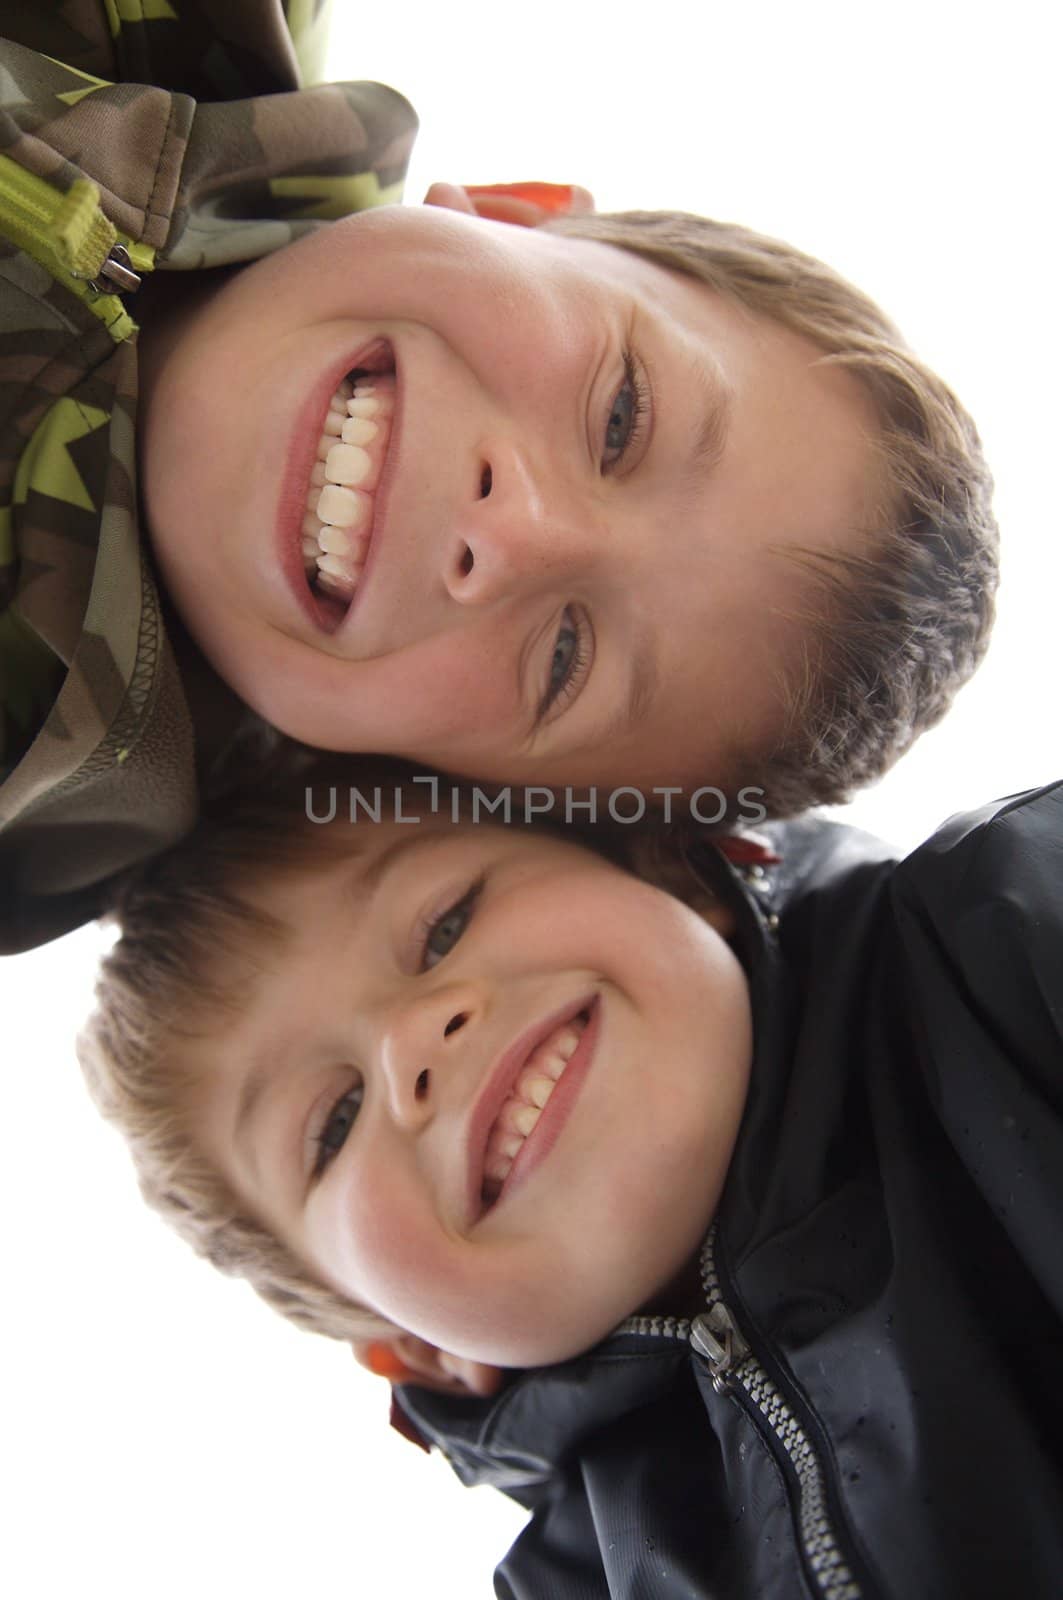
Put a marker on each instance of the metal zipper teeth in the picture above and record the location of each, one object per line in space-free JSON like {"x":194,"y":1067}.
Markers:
{"x":716,"y":1336}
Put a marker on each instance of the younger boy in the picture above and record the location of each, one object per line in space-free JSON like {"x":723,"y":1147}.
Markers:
{"x":644,"y":499}
{"x":757,"y":1204}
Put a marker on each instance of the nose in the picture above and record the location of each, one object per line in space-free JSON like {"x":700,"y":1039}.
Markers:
{"x":521,"y":529}
{"x":422,"y":1043}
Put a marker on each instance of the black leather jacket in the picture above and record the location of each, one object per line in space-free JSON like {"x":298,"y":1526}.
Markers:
{"x":871,"y":1403}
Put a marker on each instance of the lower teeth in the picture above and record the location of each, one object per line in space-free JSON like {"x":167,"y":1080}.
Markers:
{"x":492,"y":1187}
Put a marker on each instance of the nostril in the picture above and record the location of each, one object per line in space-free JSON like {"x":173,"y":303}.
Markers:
{"x":421,"y":1086}
{"x":466,"y":562}
{"x":455,"y":1023}
{"x":485,"y":482}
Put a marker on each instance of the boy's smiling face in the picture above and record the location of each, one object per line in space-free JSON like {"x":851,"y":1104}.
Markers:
{"x":574,"y":570}
{"x":364,"y":1105}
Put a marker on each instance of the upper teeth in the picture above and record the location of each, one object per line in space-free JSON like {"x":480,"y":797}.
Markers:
{"x":526,"y":1102}
{"x":339,"y":506}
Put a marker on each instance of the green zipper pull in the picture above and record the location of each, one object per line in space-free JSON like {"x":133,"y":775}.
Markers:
{"x":71,"y":236}
{"x":87,"y":242}
{"x":83,"y":236}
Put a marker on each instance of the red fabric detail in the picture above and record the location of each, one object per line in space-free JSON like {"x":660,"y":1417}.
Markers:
{"x":550,"y":196}
{"x":746,"y":849}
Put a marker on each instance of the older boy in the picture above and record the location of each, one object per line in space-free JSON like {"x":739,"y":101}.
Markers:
{"x":606,"y":523}
{"x":786,"y":1300}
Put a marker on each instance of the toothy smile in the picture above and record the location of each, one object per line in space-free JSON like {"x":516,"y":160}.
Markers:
{"x":528,"y":1098}
{"x":338,"y":522}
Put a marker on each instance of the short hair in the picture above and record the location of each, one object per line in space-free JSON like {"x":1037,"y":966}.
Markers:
{"x":894,"y":632}
{"x":183,"y":965}
{"x":188,"y":956}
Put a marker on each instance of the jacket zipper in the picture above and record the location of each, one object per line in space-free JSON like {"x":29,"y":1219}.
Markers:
{"x":70,"y":235}
{"x":117,"y":270}
{"x":716,"y":1337}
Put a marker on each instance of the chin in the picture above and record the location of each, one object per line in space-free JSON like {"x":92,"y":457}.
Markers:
{"x":550,"y":1348}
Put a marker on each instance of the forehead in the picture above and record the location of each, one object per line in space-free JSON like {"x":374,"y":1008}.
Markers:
{"x":348,"y":838}
{"x":365,"y":833}
{"x":596,"y":270}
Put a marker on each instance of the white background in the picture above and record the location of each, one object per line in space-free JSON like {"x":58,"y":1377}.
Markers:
{"x":164,"y":1434}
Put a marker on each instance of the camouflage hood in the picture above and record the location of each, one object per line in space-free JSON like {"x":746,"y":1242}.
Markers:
{"x":132,"y":139}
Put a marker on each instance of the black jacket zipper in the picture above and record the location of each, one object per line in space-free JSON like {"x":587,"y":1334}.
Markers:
{"x":716,"y":1337}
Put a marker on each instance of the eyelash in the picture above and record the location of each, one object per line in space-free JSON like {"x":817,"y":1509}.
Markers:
{"x":326,"y":1153}
{"x":435,"y":920}
{"x":571,"y":684}
{"x":635,"y":380}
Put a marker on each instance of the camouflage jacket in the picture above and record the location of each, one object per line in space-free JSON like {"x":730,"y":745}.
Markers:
{"x":134,"y":135}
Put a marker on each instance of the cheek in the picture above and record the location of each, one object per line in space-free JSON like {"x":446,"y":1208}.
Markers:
{"x":376,"y":1240}
{"x":460,"y":684}
{"x":192,"y":516}
{"x":443,"y":700}
{"x":430,"y":701}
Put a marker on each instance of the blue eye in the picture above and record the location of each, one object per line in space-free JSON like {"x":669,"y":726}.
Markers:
{"x":618,"y":428}
{"x":624,"y":425}
{"x":446,"y":933}
{"x":338,"y":1124}
{"x":443,"y":932}
{"x":566,"y":649}
{"x":569,"y":662}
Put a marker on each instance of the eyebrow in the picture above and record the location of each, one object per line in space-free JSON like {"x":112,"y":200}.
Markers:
{"x":265,"y":1067}
{"x":710,"y":437}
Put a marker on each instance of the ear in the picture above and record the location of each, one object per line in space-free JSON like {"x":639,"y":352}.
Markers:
{"x":404,"y":1359}
{"x":526,"y":204}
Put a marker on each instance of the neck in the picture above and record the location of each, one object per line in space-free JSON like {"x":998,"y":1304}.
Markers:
{"x":215,"y":710}
{"x":682,"y":1296}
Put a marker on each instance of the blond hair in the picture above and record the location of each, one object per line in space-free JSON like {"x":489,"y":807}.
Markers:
{"x":895,"y":632}
{"x":184,"y":965}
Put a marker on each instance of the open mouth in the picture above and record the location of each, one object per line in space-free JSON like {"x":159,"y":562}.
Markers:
{"x":338,"y":521}
{"x":528,"y":1098}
